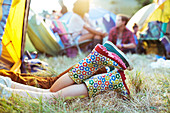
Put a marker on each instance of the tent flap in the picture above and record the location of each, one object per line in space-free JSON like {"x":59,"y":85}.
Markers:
{"x":13,"y":33}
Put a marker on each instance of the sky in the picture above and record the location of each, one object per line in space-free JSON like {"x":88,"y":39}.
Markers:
{"x":49,"y":5}
{"x":119,"y":6}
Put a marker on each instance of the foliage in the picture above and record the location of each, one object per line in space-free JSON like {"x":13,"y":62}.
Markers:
{"x":149,"y":91}
{"x":144,"y":2}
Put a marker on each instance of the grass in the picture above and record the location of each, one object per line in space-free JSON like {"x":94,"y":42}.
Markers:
{"x":149,"y":91}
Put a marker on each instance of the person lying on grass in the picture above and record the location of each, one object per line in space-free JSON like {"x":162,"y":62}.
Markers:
{"x":81,"y":79}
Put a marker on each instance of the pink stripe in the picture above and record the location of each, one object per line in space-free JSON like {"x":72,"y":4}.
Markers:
{"x":123,"y":79}
{"x":61,"y":27}
{"x":102,"y":50}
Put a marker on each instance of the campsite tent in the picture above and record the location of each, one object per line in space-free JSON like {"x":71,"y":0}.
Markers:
{"x":153,"y":25}
{"x":28,"y":45}
{"x":102,"y":18}
{"x":151,"y":13}
{"x":161,"y":14}
{"x":41,"y":36}
{"x":45,"y":41}
{"x":140,"y":16}
{"x":13,"y":21}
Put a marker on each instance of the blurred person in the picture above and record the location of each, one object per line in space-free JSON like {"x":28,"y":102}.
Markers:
{"x":122,"y":37}
{"x":139,"y":45}
{"x":63,"y":7}
{"x":80,"y":24}
{"x":80,"y":80}
{"x":55,"y":15}
{"x":63,"y":10}
{"x":48,"y":20}
{"x":135,"y":30}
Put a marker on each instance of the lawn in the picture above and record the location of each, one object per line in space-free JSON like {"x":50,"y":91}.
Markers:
{"x":149,"y":89}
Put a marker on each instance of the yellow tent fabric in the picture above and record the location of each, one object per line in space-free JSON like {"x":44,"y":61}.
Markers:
{"x":162,"y":14}
{"x":140,"y":16}
{"x":12,"y":37}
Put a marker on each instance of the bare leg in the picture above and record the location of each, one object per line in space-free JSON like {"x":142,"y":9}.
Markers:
{"x":16,"y":85}
{"x":70,"y":91}
{"x":61,"y":83}
{"x":98,"y":37}
{"x":31,"y":94}
{"x":73,"y":90}
{"x":86,"y":37}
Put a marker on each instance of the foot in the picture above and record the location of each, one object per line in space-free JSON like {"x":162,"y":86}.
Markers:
{"x":5,"y":81}
{"x":4,"y":93}
{"x":112,"y":48}
{"x":97,"y":59}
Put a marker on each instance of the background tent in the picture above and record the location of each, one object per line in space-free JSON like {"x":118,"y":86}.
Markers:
{"x":41,"y":35}
{"x":28,"y":45}
{"x":140,"y":16}
{"x":13,"y":22}
{"x":161,"y":14}
{"x":153,"y":25}
{"x":156,"y":12}
{"x":102,"y":17}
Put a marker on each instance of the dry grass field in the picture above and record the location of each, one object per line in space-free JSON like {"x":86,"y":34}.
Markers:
{"x":149,"y":89}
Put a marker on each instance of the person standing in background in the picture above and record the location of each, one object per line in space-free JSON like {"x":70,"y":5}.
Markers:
{"x":135,"y":30}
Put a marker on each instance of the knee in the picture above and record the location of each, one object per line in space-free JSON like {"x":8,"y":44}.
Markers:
{"x":97,"y":37}
{"x":52,"y":90}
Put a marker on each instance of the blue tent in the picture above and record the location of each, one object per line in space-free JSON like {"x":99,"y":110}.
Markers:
{"x":102,"y":16}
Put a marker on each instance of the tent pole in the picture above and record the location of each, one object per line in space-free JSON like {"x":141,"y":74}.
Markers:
{"x":24,"y":29}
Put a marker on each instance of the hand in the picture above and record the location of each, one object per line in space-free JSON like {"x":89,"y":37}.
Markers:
{"x":119,"y":46}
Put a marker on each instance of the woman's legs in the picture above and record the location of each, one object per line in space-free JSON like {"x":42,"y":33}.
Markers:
{"x":73,"y":91}
{"x":70,"y":91}
{"x":61,"y":83}
{"x":96,"y":39}
{"x":96,"y":60}
{"x":86,"y":37}
{"x":16,"y":85}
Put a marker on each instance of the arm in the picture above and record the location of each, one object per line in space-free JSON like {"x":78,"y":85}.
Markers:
{"x":127,"y":46}
{"x":93,"y":31}
{"x":131,"y":43}
{"x":110,"y":38}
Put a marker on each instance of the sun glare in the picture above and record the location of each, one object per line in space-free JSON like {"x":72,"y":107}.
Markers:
{"x":49,"y":5}
{"x":69,"y":4}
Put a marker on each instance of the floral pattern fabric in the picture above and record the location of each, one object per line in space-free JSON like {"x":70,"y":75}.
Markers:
{"x":89,"y":65}
{"x":104,"y":82}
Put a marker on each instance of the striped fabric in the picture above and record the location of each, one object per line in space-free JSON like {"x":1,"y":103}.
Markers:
{"x":62,"y":26}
